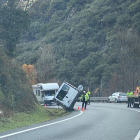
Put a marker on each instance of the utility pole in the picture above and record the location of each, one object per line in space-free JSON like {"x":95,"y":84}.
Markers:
{"x":134,"y":68}
{"x":101,"y":85}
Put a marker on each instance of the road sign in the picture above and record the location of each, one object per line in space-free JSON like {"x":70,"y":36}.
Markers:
{"x":80,"y":87}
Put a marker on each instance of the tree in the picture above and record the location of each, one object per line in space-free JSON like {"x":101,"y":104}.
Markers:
{"x":45,"y":65}
{"x":30,"y":73}
{"x":12,"y":22}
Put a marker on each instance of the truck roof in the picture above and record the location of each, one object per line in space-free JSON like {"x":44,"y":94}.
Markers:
{"x":47,"y":86}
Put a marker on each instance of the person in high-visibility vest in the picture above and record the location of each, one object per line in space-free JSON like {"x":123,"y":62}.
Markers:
{"x":129,"y":94}
{"x":89,"y":97}
{"x":84,"y":99}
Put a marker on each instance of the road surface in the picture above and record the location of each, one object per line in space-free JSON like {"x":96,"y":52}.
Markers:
{"x":100,"y":121}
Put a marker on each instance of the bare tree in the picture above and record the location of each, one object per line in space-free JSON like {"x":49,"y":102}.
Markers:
{"x":128,"y":44}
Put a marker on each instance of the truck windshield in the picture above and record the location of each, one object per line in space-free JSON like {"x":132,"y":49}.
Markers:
{"x":64,"y":90}
{"x":49,"y":93}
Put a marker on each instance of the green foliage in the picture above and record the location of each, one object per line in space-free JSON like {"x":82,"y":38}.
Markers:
{"x":12,"y":22}
{"x":134,"y":7}
{"x":15,"y":89}
{"x":136,"y":22}
{"x":1,"y":96}
{"x":40,"y":114}
{"x":90,"y":39}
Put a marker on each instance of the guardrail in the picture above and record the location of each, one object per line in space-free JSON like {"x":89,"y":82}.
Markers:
{"x":97,"y":99}
{"x":103,"y":99}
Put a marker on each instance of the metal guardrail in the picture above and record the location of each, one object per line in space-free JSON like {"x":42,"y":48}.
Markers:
{"x":97,"y":99}
{"x":135,"y":96}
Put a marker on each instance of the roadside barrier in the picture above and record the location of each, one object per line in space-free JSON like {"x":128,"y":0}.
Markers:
{"x":102,"y":99}
{"x":97,"y":99}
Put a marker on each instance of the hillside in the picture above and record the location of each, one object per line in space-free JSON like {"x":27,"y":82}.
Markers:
{"x":15,"y":88}
{"x":90,"y":42}
{"x":18,"y":104}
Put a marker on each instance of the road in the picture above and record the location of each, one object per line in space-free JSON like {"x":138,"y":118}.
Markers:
{"x":100,"y":121}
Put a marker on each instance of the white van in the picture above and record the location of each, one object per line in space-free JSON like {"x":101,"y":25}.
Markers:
{"x":67,"y":95}
{"x":45,"y":92}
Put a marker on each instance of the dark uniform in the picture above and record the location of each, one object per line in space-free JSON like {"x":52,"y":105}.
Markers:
{"x":89,"y":97}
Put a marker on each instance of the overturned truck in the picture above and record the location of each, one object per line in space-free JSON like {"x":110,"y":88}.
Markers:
{"x":67,"y":95}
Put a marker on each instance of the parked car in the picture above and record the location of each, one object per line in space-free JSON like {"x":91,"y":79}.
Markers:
{"x":118,"y":97}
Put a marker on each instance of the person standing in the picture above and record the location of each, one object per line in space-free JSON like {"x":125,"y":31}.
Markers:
{"x":84,"y":99}
{"x":88,"y":96}
{"x":129,"y":94}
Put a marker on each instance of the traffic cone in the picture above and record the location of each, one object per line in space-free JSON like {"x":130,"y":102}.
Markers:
{"x":82,"y":109}
{"x":45,"y":105}
{"x":78,"y":108}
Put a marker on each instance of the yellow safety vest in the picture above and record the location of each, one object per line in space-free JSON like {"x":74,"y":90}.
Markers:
{"x":129,"y":94}
{"x":86,"y":97}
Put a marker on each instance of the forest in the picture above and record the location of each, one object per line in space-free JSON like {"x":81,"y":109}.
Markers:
{"x":94,"y":43}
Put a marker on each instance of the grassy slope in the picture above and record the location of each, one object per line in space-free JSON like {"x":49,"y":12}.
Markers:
{"x":41,"y":114}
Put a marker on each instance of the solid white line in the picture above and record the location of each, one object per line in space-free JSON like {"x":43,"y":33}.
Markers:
{"x":123,"y":108}
{"x":130,"y":109}
{"x":138,"y":136}
{"x":40,"y":126}
{"x":135,"y":110}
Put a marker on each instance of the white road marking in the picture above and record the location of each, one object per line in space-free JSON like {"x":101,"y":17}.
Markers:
{"x":138,"y":136}
{"x":130,"y":109}
{"x":81,"y":112}
{"x":135,"y":110}
{"x":123,"y":108}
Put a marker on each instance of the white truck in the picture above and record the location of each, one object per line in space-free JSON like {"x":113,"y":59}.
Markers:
{"x":45,"y":92}
{"x":67,"y":95}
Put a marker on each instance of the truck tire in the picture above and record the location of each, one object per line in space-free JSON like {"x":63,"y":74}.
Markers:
{"x":135,"y":105}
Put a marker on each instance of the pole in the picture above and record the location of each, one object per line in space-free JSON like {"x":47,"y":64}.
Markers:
{"x":101,"y":85}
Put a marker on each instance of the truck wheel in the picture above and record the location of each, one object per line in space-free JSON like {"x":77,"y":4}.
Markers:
{"x":109,"y":100}
{"x":135,"y":105}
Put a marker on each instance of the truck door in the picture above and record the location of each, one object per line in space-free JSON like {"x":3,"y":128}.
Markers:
{"x":71,"y":94}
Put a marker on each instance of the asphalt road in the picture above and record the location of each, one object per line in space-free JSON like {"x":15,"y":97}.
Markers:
{"x":100,"y":121}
